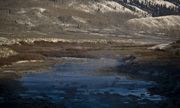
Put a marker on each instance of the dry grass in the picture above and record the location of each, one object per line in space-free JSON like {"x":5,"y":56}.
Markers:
{"x":40,"y":50}
{"x":19,"y":57}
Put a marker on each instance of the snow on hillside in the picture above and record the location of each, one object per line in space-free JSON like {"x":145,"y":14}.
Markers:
{"x":140,"y":11}
{"x":156,"y":22}
{"x":103,"y":6}
{"x":160,"y":2}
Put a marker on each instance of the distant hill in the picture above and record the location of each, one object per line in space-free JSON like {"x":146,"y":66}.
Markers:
{"x":55,"y":17}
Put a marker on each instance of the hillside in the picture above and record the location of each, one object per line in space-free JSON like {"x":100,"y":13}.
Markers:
{"x":154,"y":7}
{"x":166,"y":24}
{"x":60,"y":18}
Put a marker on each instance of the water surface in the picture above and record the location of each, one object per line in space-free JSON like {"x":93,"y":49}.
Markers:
{"x":83,"y":83}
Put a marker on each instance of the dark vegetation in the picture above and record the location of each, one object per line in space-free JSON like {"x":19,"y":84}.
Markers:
{"x":165,"y":73}
{"x":154,"y":9}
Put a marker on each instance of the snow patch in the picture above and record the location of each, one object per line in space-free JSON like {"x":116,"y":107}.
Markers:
{"x":39,"y":9}
{"x":140,"y":11}
{"x":25,"y":10}
{"x":22,"y":11}
{"x":6,"y":52}
{"x":161,"y":46}
{"x":28,"y":61}
{"x":160,"y":2}
{"x":103,"y":6}
{"x":25,"y":22}
{"x":78,"y":19}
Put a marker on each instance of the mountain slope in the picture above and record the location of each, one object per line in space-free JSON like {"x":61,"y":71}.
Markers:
{"x":156,"y":22}
{"x":154,"y":7}
{"x":79,"y":17}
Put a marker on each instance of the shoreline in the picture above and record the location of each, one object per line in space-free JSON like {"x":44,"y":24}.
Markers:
{"x":43,"y":48}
